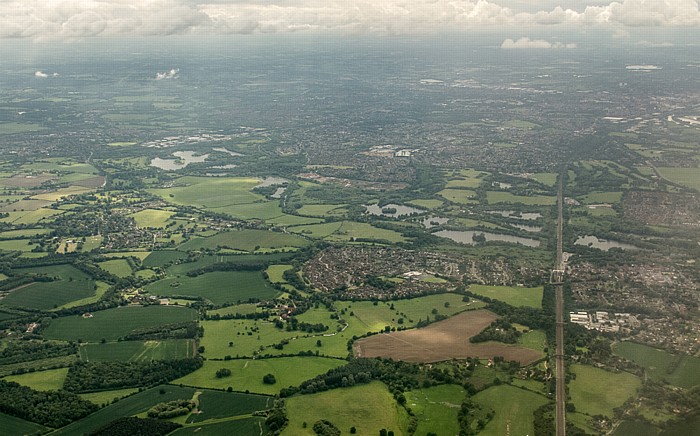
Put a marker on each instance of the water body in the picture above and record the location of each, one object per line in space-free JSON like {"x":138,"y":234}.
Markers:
{"x":532,"y":229}
{"x":401,"y":210}
{"x":602,"y":244}
{"x":466,"y":237}
{"x":529,"y":216}
{"x":433,"y":221}
{"x":184,"y":158}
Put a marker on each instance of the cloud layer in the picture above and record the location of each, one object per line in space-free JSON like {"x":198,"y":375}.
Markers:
{"x":534,"y":43}
{"x":65,"y":19}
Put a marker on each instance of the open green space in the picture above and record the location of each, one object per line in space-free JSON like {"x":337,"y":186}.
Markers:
{"x":493,"y":197}
{"x":513,"y":295}
{"x":162,"y":257}
{"x":678,"y":370}
{"x":118,"y":267}
{"x":217,"y":405}
{"x":112,"y":324}
{"x":15,"y":128}
{"x":595,"y":391}
{"x":369,"y":408}
{"x":16,"y":426}
{"x":436,"y":408}
{"x":534,"y":339}
{"x":168,"y":349}
{"x":49,"y":380}
{"x":322,"y":210}
{"x":348,"y":231}
{"x":602,"y":197}
{"x":245,"y":426}
{"x":275,"y":273}
{"x":246,"y":240}
{"x":242,"y":309}
{"x":68,"y":284}
{"x":152,"y":218}
{"x":219,"y":287}
{"x":106,"y":397}
{"x":459,"y":196}
{"x":426,"y":203}
{"x":247,"y":374}
{"x":549,"y":179}
{"x":514,"y":408}
{"x":683,"y":176}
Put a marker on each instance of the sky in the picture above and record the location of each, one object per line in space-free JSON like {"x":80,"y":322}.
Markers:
{"x":77,"y":19}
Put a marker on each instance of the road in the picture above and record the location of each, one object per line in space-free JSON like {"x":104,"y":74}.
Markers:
{"x":557,"y":279}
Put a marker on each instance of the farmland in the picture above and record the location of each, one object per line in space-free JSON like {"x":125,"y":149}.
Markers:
{"x":114,"y":323}
{"x":436,"y":408}
{"x":595,"y":391}
{"x":245,"y":240}
{"x":442,"y":340}
{"x":69,"y":284}
{"x":515,"y":296}
{"x":219,"y":287}
{"x":678,"y":370}
{"x":49,"y":380}
{"x":247,"y":374}
{"x":138,"y":351}
{"x":514,"y":409}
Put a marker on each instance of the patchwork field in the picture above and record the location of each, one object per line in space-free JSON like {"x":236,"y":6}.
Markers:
{"x":70,"y":284}
{"x":678,"y":370}
{"x":443,"y":340}
{"x":219,"y":287}
{"x":49,"y":380}
{"x":245,"y":240}
{"x":683,"y":176}
{"x":153,"y":218}
{"x":346,"y":231}
{"x":369,"y":408}
{"x":138,"y":350}
{"x":112,"y":324}
{"x":506,"y":197}
{"x":16,"y":426}
{"x":118,"y":267}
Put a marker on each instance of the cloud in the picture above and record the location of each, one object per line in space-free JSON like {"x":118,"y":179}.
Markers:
{"x":41,"y":75}
{"x":74,"y":19}
{"x":526,"y":42}
{"x":172,"y":74}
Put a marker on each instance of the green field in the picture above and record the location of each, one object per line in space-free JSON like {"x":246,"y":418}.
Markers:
{"x":132,"y":405}
{"x":322,"y":210}
{"x":163,"y":257}
{"x":106,"y":397}
{"x":346,"y":231}
{"x":49,"y":380}
{"x":152,"y":218}
{"x":243,"y":309}
{"x":217,"y":405}
{"x":245,"y":240}
{"x":601,"y":197}
{"x":514,"y":408}
{"x":71,"y":284}
{"x":459,"y":196}
{"x":138,"y":351}
{"x":118,"y":267}
{"x":16,"y":426}
{"x":246,"y":426}
{"x":595,"y":391}
{"x":513,"y":295}
{"x":112,"y":324}
{"x":678,"y":370}
{"x":15,"y":245}
{"x":683,"y":176}
{"x":218,"y":334}
{"x":549,"y":179}
{"x":219,"y":287}
{"x":275,"y":273}
{"x":506,"y":197}
{"x":534,"y":339}
{"x":436,"y":408}
{"x":426,"y":203}
{"x":369,"y":408}
{"x":247,"y":374}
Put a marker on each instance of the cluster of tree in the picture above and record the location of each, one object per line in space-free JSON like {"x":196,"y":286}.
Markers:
{"x":277,"y":418}
{"x":294,"y":324}
{"x":398,"y":376}
{"x":50,"y":408}
{"x":24,"y":351}
{"x":227,"y":266}
{"x":325,"y":428}
{"x":378,"y":282}
{"x":96,"y":376}
{"x":500,"y":330}
{"x":223,"y":372}
{"x":180,"y":330}
{"x":255,"y":315}
{"x":171,"y":409}
{"x":291,"y":276}
{"x":472,"y":418}
{"x":132,"y":426}
{"x":269,"y":379}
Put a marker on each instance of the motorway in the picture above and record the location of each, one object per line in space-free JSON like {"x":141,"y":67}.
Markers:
{"x":557,"y":279}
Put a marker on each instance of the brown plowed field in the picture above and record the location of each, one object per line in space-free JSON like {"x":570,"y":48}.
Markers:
{"x":444,"y":340}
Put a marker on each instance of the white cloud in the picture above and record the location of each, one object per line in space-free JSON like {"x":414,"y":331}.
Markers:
{"x":526,"y":42}
{"x":41,"y":75}
{"x":172,"y":74}
{"x":70,"y":19}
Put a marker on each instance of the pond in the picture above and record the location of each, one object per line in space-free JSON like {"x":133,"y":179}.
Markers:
{"x":433,"y":221}
{"x":184,"y":158}
{"x":602,"y":244}
{"x":529,"y":216}
{"x":466,"y":237}
{"x":392,"y":210}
